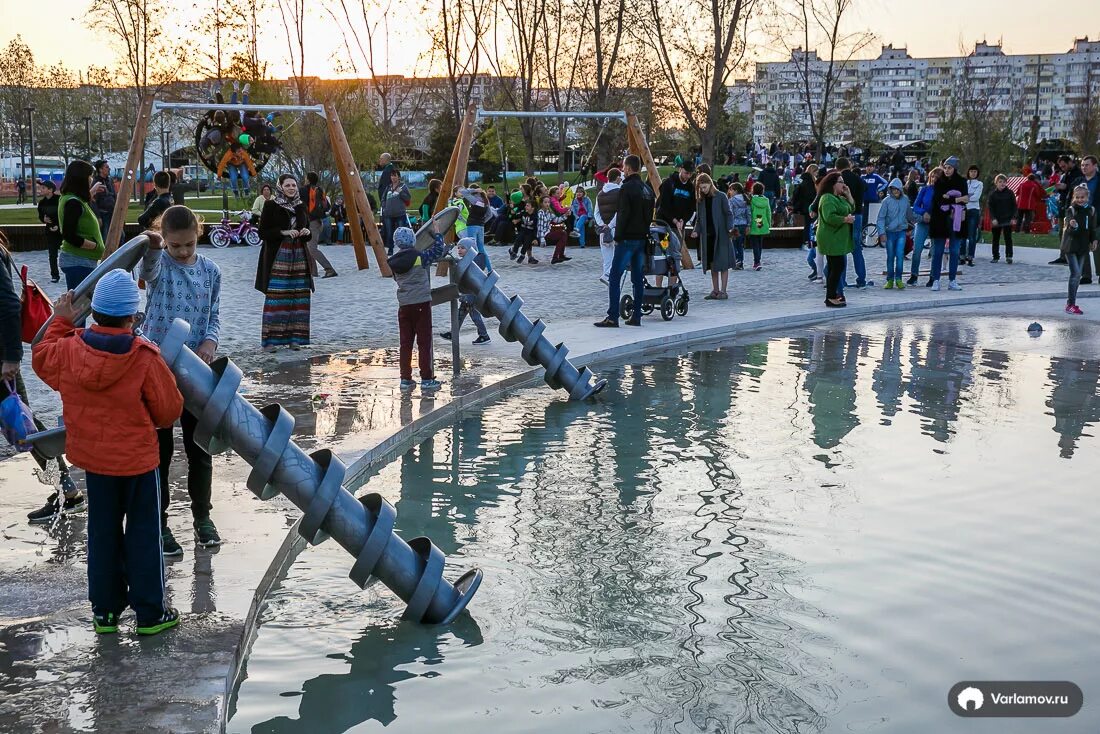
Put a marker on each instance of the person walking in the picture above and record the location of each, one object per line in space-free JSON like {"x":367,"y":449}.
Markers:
{"x":1002,"y":217}
{"x":103,"y":196}
{"x":974,"y":190}
{"x":21,"y":190}
{"x":284,"y":273}
{"x":317,"y":207}
{"x":636,"y":202}
{"x":1090,"y":178}
{"x":47,"y":214}
{"x":947,"y":224}
{"x":835,"y":219}
{"x":1030,"y":198}
{"x":713,"y":223}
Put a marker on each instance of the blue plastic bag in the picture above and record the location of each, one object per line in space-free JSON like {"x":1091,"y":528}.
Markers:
{"x":16,"y":420}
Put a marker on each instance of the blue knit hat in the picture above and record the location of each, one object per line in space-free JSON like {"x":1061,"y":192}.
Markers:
{"x":403,"y":238}
{"x":116,"y":294}
{"x":952,"y":161}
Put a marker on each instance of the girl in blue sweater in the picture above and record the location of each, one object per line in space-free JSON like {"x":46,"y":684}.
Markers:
{"x":922,"y":208}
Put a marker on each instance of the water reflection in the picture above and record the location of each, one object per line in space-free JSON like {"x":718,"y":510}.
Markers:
{"x":648,"y":562}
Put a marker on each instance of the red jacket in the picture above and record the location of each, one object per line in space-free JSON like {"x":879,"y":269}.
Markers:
{"x":1030,"y":196}
{"x":112,"y":403}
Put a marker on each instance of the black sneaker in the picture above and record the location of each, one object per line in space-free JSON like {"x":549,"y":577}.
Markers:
{"x":1086,"y":281}
{"x":912,"y":280}
{"x":169,"y":546}
{"x":47,"y":512}
{"x":168,"y":620}
{"x":1058,"y":261}
{"x":105,"y":624}
{"x":484,"y":339}
{"x":206,"y":535}
{"x":445,"y":335}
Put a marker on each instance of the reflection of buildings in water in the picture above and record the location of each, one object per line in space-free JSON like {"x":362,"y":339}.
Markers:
{"x":1073,"y":400}
{"x":377,"y":662}
{"x":939,"y":377}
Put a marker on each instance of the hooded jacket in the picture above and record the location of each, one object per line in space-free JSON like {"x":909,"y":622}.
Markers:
{"x":893,"y":214}
{"x":412,"y":272}
{"x":116,"y":392}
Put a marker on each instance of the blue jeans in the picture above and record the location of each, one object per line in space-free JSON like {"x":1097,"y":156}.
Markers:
{"x":234,"y":172}
{"x":920,"y":234}
{"x":739,"y":243}
{"x":74,"y":276}
{"x":895,"y":255}
{"x":973,"y":229}
{"x":857,"y":252}
{"x":938,"y":246}
{"x":478,"y":235}
{"x":466,"y":308}
{"x":389,"y":226}
{"x":811,"y":259}
{"x":628,"y":253}
{"x":580,"y":225}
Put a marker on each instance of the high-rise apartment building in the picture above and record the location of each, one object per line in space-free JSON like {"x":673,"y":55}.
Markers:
{"x":906,"y":98}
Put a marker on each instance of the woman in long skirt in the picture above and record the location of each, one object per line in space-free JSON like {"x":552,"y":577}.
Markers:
{"x":285,"y":271}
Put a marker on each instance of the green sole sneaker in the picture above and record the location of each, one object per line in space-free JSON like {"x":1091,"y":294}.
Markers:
{"x":168,"y":620}
{"x":106,"y":624}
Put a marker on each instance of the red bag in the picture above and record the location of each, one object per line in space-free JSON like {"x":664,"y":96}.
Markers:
{"x":37,"y":308}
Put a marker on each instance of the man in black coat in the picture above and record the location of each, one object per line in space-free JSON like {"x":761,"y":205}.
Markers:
{"x":47,"y":214}
{"x":632,"y":222}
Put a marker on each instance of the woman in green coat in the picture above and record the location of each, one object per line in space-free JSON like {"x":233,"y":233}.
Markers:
{"x":834,"y":233}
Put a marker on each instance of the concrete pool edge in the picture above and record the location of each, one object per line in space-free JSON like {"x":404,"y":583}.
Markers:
{"x":630,"y":348}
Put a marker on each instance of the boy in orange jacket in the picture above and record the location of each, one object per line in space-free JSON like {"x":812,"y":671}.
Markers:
{"x":116,"y":392}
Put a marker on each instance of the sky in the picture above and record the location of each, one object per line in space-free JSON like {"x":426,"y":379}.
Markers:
{"x":926,"y":27}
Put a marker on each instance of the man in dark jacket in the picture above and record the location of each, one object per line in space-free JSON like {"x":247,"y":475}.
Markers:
{"x":313,"y":196}
{"x":104,"y":203}
{"x":856,"y":187}
{"x":47,"y":214}
{"x":1071,"y":176}
{"x":676,"y":207}
{"x":386,"y":162}
{"x":769,"y":179}
{"x":632,"y":222}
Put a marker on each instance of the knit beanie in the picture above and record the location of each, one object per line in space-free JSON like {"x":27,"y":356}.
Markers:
{"x":952,"y":161}
{"x":516,"y":197}
{"x":404,"y":238}
{"x":468,"y":242}
{"x":116,"y":294}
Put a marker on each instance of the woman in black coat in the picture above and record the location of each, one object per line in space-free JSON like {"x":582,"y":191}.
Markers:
{"x":284,"y":273}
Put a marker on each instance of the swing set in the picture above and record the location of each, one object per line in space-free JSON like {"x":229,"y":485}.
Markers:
{"x":355,"y":195}
{"x":460,"y":157}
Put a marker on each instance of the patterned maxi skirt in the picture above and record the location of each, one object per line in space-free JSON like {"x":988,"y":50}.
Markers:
{"x":286,"y":308}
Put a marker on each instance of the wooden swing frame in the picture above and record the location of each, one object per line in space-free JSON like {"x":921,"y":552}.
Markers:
{"x":457,"y":168}
{"x":351,"y":183}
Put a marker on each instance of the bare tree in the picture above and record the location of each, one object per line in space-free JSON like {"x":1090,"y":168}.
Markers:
{"x":699,"y":43}
{"x":149,"y":59}
{"x":819,"y":24}
{"x":456,"y":37}
{"x":1085,"y":118}
{"x":523,"y":21}
{"x":293,"y":14}
{"x":561,"y":62}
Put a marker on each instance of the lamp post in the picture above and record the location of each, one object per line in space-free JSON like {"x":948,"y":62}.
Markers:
{"x":34,"y":167}
{"x":88,"y":137}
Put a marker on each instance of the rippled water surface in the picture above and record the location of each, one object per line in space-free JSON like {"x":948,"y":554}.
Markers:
{"x":821,"y":532}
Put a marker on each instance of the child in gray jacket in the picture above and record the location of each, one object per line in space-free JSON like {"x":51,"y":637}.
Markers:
{"x":412,"y":272}
{"x":894,"y":217}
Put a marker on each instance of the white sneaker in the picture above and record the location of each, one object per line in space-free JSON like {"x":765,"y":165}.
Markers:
{"x":936,"y":286}
{"x":953,"y":286}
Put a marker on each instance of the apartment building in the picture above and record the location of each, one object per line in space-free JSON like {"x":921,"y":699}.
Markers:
{"x":906,"y":97}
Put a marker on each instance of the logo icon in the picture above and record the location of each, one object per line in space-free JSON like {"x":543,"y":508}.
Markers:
{"x":970,"y":697}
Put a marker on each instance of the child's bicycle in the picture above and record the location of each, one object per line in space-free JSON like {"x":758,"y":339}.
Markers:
{"x":227,"y":233}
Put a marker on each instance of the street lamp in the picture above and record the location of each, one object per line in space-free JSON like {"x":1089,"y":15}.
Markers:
{"x":34,"y":167}
{"x":88,"y":137}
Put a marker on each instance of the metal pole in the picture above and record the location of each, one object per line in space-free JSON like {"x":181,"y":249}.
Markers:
{"x":88,"y":137}
{"x":456,"y":367}
{"x":160,"y":106}
{"x":34,"y":165}
{"x":550,"y":115}
{"x":22,"y":154}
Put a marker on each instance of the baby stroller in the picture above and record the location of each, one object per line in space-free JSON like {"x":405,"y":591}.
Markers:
{"x":671,"y":299}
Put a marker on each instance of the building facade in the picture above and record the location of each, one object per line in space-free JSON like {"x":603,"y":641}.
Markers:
{"x":905,"y":98}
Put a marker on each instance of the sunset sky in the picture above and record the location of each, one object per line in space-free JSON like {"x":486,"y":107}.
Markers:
{"x":927,"y":27}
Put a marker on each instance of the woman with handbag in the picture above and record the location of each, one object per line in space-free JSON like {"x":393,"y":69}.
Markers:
{"x":11,"y":354}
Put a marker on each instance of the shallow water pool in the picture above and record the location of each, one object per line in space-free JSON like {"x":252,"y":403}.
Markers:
{"x":818,"y":532}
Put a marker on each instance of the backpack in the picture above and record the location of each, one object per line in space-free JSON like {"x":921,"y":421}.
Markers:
{"x":37,"y":308}
{"x":16,"y":420}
